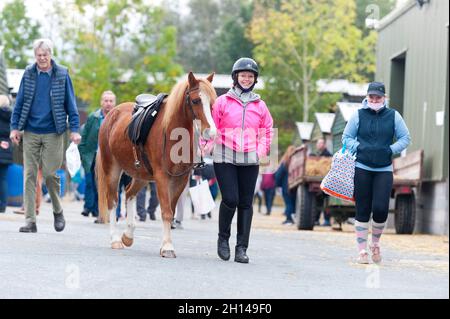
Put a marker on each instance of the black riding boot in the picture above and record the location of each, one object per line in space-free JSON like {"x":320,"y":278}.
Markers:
{"x":225,"y":217}
{"x":244,"y":223}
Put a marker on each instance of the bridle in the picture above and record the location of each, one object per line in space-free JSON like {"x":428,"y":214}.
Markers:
{"x":192,"y":98}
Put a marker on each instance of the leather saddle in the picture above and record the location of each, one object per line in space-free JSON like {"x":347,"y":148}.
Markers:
{"x":146,"y":109}
{"x":144,"y":100}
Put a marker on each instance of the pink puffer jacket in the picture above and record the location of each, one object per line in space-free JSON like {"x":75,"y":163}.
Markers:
{"x":243,"y":129}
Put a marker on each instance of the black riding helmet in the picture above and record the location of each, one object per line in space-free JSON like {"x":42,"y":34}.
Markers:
{"x":244,"y":64}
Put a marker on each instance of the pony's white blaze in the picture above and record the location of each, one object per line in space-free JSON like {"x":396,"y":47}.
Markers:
{"x":207,"y":111}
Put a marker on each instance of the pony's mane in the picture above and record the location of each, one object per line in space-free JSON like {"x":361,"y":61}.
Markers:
{"x":176,"y":98}
{"x":174,"y":101}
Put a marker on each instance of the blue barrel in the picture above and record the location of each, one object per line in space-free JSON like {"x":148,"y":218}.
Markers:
{"x":15,"y":185}
{"x":62,"y":179}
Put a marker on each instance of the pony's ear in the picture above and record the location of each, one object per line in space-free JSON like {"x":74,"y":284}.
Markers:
{"x":192,"y":80}
{"x":210,"y":77}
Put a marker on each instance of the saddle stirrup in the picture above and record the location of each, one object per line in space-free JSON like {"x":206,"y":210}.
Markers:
{"x":137,"y":163}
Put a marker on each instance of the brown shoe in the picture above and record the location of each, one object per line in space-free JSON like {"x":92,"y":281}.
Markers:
{"x":20,"y":211}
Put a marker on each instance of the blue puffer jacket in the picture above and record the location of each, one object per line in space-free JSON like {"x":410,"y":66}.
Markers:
{"x":61,"y":94}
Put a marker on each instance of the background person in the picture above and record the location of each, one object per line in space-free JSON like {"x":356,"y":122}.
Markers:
{"x":321,"y":150}
{"x":88,"y":150}
{"x":44,"y":102}
{"x":281,"y":178}
{"x":370,"y":133}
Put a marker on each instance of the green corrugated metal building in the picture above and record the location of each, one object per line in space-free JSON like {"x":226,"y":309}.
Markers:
{"x":344,"y":110}
{"x":412,"y":60}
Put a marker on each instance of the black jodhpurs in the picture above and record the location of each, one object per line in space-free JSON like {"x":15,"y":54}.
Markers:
{"x":372,"y":193}
{"x":237,"y":186}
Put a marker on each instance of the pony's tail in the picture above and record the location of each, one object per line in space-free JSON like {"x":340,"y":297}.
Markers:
{"x":102,"y":190}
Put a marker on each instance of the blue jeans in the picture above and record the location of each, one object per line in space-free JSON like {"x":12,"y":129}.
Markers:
{"x":152,"y":202}
{"x":90,"y":204}
{"x":3,"y":186}
{"x":269,"y":195}
{"x":90,"y":178}
{"x":214,"y":189}
{"x":289,"y":201}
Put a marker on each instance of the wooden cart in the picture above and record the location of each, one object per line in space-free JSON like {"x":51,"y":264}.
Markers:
{"x":407,"y":179}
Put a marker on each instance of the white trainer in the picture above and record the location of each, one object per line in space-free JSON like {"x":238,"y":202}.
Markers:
{"x":376,"y":254}
{"x":363,"y":257}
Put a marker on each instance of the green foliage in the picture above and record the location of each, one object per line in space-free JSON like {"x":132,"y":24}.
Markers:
{"x":120,"y":44}
{"x":153,"y":55}
{"x":369,"y":9}
{"x":213,"y":35}
{"x":17,"y":34}
{"x":197,"y":32}
{"x":285,"y":138}
{"x":301,"y":41}
{"x":119,"y":47}
{"x":231,"y":42}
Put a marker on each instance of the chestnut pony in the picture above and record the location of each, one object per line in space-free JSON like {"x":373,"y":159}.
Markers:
{"x":188,"y":105}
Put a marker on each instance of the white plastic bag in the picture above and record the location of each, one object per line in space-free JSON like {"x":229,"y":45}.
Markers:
{"x":201,"y":198}
{"x":73,"y":160}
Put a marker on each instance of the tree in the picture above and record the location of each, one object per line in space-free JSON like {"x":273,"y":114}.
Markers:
{"x":213,"y":35}
{"x":375,"y":10}
{"x":118,"y":45}
{"x":92,"y":30}
{"x":231,"y":43}
{"x":299,"y":42}
{"x":303,"y":42}
{"x":197,"y":33}
{"x":17,"y":34}
{"x":154,"y":51}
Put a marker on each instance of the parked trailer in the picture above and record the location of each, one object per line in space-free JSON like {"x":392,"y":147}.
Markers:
{"x":408,"y":171}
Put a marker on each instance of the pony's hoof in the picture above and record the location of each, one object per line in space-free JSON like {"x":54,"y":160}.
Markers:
{"x":117,"y":245}
{"x":127,"y":241}
{"x":168,"y":254}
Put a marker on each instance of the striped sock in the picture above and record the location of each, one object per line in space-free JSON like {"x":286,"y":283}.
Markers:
{"x":377,"y":230}
{"x":362,"y":232}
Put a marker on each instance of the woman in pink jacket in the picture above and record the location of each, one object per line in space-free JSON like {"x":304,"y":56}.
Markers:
{"x":244,"y":127}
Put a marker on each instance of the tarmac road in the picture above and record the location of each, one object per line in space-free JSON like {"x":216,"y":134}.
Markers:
{"x":284,"y":263}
